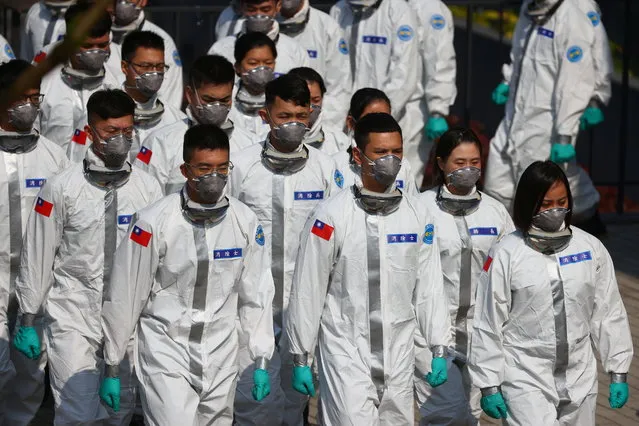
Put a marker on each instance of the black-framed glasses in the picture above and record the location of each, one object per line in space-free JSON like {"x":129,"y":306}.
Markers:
{"x":207,"y":170}
{"x":147,"y":67}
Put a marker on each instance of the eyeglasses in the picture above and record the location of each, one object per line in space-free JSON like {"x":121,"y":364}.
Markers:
{"x":109,"y":132}
{"x":35,"y":99}
{"x":146,"y":67}
{"x":207,"y":170}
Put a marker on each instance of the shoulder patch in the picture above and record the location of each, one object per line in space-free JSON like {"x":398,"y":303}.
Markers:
{"x":405,"y":33}
{"x":437,"y":21}
{"x":594,"y":18}
{"x":342,"y":46}
{"x":9,"y":51}
{"x":41,"y":56}
{"x":259,"y":235}
{"x":339,"y":179}
{"x":574,"y":53}
{"x":176,"y":58}
{"x":429,"y":234}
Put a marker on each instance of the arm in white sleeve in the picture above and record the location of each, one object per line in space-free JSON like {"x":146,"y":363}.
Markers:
{"x":507,"y":72}
{"x":492,"y":305}
{"x":126,"y":293}
{"x":56,"y":123}
{"x":172,"y":90}
{"x":338,"y":78}
{"x":256,"y":291}
{"x":516,"y":50}
{"x":313,"y":269}
{"x":41,"y":240}
{"x":604,"y":66}
{"x":6,"y":366}
{"x":440,"y":65}
{"x":158,"y":166}
{"x":609,"y":328}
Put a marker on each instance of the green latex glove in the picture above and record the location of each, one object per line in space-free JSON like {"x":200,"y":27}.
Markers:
{"x":591,"y":117}
{"x":262,"y":384}
{"x":439,"y":372}
{"x":495,"y":406}
{"x":562,"y":153}
{"x":303,"y":380}
{"x":27,"y":342}
{"x":618,"y":395}
{"x":435,"y":127}
{"x":500,"y":94}
{"x":110,"y":392}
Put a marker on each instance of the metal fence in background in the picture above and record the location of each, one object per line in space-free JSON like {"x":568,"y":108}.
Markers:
{"x":607,"y":151}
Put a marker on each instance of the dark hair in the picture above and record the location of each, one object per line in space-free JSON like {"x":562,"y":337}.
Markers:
{"x":211,"y":69}
{"x":531,"y":189}
{"x":447,"y":144}
{"x":256,"y":1}
{"x":11,"y":71}
{"x":99,"y":29}
{"x":249,"y":41}
{"x":136,"y":39}
{"x":289,"y":88}
{"x":376,"y":122}
{"x":109,"y":103}
{"x":310,"y":75}
{"x":203,"y":136}
{"x":363,"y":98}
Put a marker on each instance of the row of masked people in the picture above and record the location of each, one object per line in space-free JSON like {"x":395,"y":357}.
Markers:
{"x":213,"y":302}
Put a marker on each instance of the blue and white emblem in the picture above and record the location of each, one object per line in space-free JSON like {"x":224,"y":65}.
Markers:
{"x":338,"y":177}
{"x":177,"y":59}
{"x":429,"y":234}
{"x":35,"y":183}
{"x":259,"y":235}
{"x":405,"y":33}
{"x":437,"y":21}
{"x":342,"y":46}
{"x":9,"y":51}
{"x":574,"y":53}
{"x":594,"y":18}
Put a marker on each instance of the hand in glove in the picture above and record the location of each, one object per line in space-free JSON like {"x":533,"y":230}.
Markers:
{"x":500,"y":94}
{"x":562,"y":153}
{"x":303,"y":380}
{"x":618,"y":395}
{"x":591,"y":117}
{"x":495,"y":406}
{"x":262,"y":384}
{"x":110,"y":392}
{"x":27,"y":342}
{"x":435,"y":127}
{"x":439,"y":372}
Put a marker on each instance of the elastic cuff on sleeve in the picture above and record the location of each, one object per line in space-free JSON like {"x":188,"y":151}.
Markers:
{"x":261,"y":363}
{"x":595,"y":103}
{"x":112,"y":370}
{"x":565,"y":140}
{"x":438,"y":351}
{"x":300,"y":360}
{"x":28,"y":320}
{"x":618,"y":377}
{"x":490,"y":391}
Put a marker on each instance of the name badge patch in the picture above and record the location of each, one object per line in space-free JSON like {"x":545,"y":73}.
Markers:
{"x":483,"y":231}
{"x":546,"y":32}
{"x":575,"y":258}
{"x":124,"y":219}
{"x":372,"y":39}
{"x":401,"y":238}
{"x":231,"y":253}
{"x":399,"y":184}
{"x":312,"y":53}
{"x":309,"y":195}
{"x":35,"y":183}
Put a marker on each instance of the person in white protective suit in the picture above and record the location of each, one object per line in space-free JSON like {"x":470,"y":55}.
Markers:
{"x":144,"y":68}
{"x":230,"y":21}
{"x":43,"y":25}
{"x":6,"y":52}
{"x":27,"y":160}
{"x":210,"y":96}
{"x":436,"y":90}
{"x":128,"y":15}
{"x":255,"y":60}
{"x":191,"y":278}
{"x":547,"y":299}
{"x":260,"y":17}
{"x":70,"y":239}
{"x":68,"y":87}
{"x":366,"y":101}
{"x":281,"y":179}
{"x":367,"y":275}
{"x":469,"y":222}
{"x":323,"y":136}
{"x":383,"y":46}
{"x":323,"y":40}
{"x":552,"y":82}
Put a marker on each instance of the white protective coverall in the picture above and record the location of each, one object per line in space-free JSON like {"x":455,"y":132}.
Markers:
{"x":436,"y":89}
{"x":143,"y":128}
{"x":172,"y":90}
{"x":363,"y":284}
{"x":161,"y":152}
{"x":6,"y":52}
{"x":66,"y":256}
{"x":282,"y":202}
{"x":248,"y":119}
{"x":21,"y":176}
{"x":229,"y":22}
{"x":383,"y":44}
{"x":190,"y":290}
{"x":351,"y":173}
{"x":327,"y":49}
{"x":552,"y":82}
{"x":537,"y":320}
{"x":464,"y":242}
{"x":325,"y":137}
{"x":41,"y":27}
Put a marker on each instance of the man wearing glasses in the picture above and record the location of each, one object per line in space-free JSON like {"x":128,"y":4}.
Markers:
{"x":78,"y":218}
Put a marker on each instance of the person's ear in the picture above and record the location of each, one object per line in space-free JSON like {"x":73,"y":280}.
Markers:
{"x":123,"y":67}
{"x":357,"y":156}
{"x":183,"y":170}
{"x":263,"y":115}
{"x":188,"y":92}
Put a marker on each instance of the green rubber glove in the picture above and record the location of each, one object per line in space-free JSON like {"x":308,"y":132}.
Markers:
{"x":303,"y":380}
{"x":262,"y":384}
{"x":591,"y":117}
{"x":495,"y":406}
{"x":110,"y":392}
{"x":562,"y":153}
{"x":27,"y":342}
{"x":500,"y":94}
{"x":618,"y":395}
{"x":435,"y":127}
{"x":439,"y":372}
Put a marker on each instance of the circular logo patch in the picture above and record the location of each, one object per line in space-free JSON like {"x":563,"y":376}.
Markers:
{"x":594,"y":18}
{"x":9,"y":51}
{"x":429,"y":234}
{"x":405,"y":33}
{"x":343,"y":47}
{"x":259,"y":235}
{"x":437,"y":21}
{"x":176,"y":58}
{"x":339,"y":178}
{"x":574,"y":53}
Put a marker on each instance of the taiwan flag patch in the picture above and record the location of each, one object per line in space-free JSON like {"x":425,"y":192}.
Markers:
{"x":41,"y":56}
{"x":79,"y":137}
{"x":487,"y":264}
{"x":140,"y":236}
{"x":145,"y":155}
{"x":43,"y":207}
{"x":322,"y":230}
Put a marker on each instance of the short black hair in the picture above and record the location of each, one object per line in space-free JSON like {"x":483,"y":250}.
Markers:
{"x":249,"y":41}
{"x":445,"y":146}
{"x":289,"y":88}
{"x":364,"y":97}
{"x":310,"y":75}
{"x":11,"y":71}
{"x":211,"y":69}
{"x":99,"y":29}
{"x":109,"y":103}
{"x":376,"y":122}
{"x":255,"y":1}
{"x":203,"y":136}
{"x":531,"y":189}
{"x":136,"y":39}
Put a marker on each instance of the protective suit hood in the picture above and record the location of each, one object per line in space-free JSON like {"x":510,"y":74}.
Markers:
{"x":18,"y":142}
{"x":296,"y":23}
{"x":284,"y":162}
{"x":458,"y":205}
{"x":99,"y":174}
